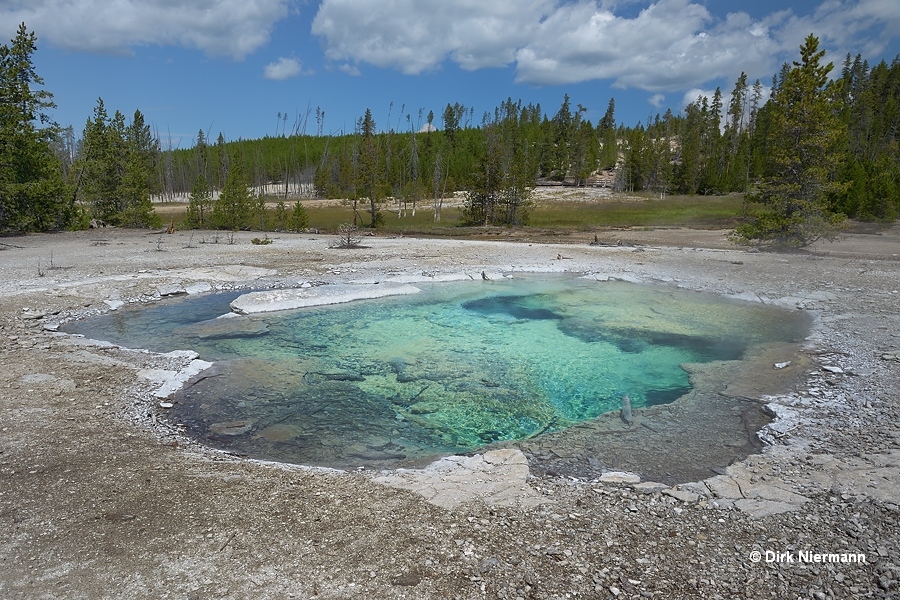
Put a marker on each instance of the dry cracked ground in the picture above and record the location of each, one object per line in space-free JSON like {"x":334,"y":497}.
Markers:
{"x":100,"y":498}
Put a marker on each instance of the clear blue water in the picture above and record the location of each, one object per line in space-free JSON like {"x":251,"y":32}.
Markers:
{"x":400,"y":380}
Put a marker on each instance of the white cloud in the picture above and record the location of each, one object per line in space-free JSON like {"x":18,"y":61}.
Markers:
{"x":668,"y":45}
{"x":856,"y":26}
{"x":351,"y":70}
{"x":283,"y":68}
{"x":417,"y":35}
{"x":696,"y":95}
{"x":657,"y":100}
{"x":217,"y":27}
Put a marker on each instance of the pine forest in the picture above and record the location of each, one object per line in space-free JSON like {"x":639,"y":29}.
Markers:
{"x":814,"y":146}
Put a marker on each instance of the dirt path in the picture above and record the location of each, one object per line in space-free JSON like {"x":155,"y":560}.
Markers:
{"x":97,"y":499}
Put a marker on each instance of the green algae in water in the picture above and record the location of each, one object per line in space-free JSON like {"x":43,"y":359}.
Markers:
{"x":400,"y":380}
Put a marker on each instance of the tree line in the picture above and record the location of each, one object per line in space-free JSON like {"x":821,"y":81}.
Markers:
{"x":812,"y":149}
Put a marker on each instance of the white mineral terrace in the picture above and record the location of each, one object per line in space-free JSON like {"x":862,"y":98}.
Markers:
{"x":273,"y":300}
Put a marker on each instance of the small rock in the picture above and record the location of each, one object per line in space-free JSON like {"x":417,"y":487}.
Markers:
{"x":233,"y":428}
{"x":198,"y":288}
{"x":832,"y":369}
{"x":171,"y":290}
{"x":619,"y":477}
{"x":407,"y":579}
{"x":683,"y":495}
{"x":782,"y":365}
{"x":166,"y":405}
{"x":487,"y":564}
{"x":650,"y":487}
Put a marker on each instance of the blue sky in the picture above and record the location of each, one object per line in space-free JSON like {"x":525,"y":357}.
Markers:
{"x":232,"y":66}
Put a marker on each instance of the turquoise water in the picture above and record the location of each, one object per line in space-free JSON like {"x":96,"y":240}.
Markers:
{"x":400,"y":380}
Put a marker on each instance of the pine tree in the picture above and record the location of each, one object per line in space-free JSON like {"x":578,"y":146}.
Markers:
{"x":370,"y":175}
{"x":299,"y":219}
{"x":609,"y":117}
{"x":142,"y":154}
{"x":116,"y":170}
{"x":202,"y":151}
{"x":805,"y":145}
{"x":101,"y":165}
{"x":451,"y":118}
{"x":258,"y":209}
{"x":606,"y":130}
{"x":33,"y":196}
{"x":223,"y":161}
{"x":735,"y":147}
{"x":559,"y":158}
{"x":711,"y":146}
{"x":232,"y":209}
{"x":199,"y":204}
{"x":281,"y":216}
{"x":503,"y":179}
{"x":690,"y":162}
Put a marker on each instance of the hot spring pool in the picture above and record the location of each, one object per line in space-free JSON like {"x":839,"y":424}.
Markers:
{"x":400,"y":380}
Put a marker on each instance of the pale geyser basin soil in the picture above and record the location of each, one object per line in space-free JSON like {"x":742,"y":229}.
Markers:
{"x":99,"y":498}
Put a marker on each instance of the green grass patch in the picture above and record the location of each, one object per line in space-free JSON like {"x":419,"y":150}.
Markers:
{"x":698,"y":212}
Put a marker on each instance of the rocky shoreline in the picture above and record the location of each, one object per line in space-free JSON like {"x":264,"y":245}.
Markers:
{"x":101,"y":498}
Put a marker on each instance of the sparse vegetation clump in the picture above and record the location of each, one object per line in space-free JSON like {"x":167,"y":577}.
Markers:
{"x":348,"y":237}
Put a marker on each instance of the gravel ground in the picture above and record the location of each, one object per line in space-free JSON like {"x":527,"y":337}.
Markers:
{"x":99,"y":498}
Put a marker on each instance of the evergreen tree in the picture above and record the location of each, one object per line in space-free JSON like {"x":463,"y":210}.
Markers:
{"x":232,"y":209}
{"x":871,"y":112}
{"x":369,"y":175}
{"x":609,"y":118}
{"x":806,"y":141}
{"x":299,"y":219}
{"x":690,"y":159}
{"x":116,"y":171}
{"x":223,"y":161}
{"x":258,"y":208}
{"x":504,"y":177}
{"x":451,"y":117}
{"x":559,"y":157}
{"x":202,"y":150}
{"x":101,"y":166}
{"x":608,"y":140}
{"x":585,"y":148}
{"x":735,"y":146}
{"x":142,"y":153}
{"x":281,"y":216}
{"x":711,"y":147}
{"x":33,"y":196}
{"x":199,"y":204}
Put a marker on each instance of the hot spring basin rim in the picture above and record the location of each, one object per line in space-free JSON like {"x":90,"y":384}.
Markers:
{"x":276,"y":300}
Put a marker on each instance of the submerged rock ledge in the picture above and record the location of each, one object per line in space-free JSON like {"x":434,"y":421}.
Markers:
{"x":273,"y":300}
